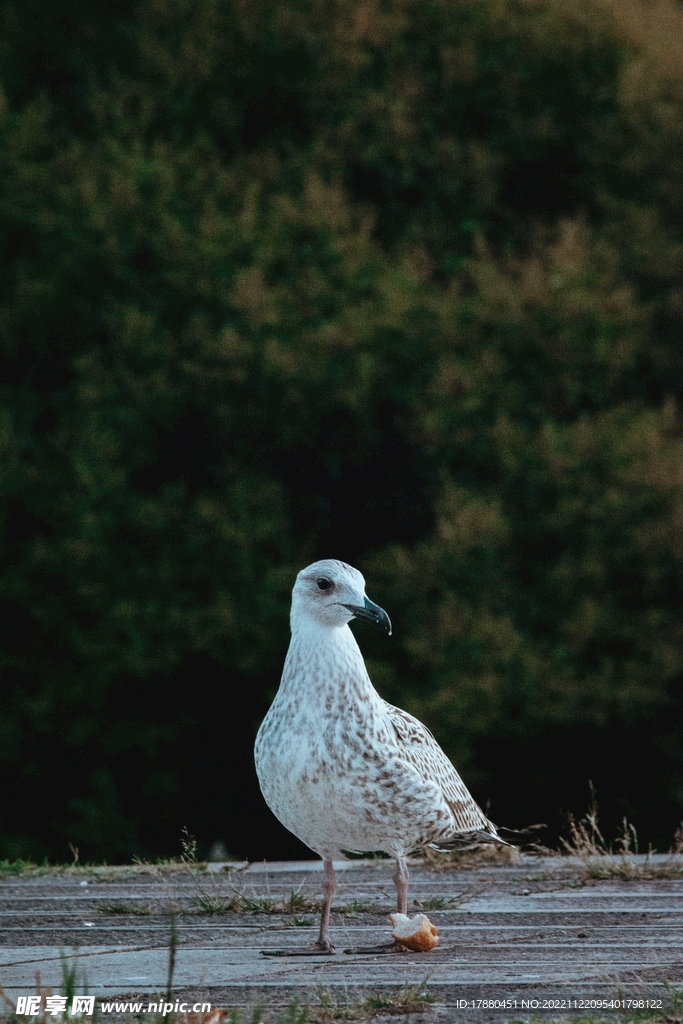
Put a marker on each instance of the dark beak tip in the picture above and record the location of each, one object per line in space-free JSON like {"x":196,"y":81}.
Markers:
{"x":373,"y":614}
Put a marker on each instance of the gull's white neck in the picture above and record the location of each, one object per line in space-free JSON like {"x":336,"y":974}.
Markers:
{"x":324,"y":666}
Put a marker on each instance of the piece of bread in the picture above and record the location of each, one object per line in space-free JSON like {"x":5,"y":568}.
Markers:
{"x":416,"y":933}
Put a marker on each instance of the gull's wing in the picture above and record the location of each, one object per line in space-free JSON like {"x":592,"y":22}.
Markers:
{"x":419,"y":748}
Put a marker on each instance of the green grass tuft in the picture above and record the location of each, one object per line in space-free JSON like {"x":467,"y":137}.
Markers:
{"x":119,"y":907}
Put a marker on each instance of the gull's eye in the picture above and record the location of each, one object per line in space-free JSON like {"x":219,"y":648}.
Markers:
{"x":324,"y":583}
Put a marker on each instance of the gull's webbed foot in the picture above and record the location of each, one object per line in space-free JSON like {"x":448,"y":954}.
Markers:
{"x":382,"y":947}
{"x":315,"y":949}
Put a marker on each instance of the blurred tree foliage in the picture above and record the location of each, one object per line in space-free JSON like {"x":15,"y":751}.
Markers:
{"x":386,"y":280}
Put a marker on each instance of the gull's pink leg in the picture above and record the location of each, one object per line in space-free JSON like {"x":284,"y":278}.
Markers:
{"x":329,"y":885}
{"x":401,"y":882}
{"x":323,"y":945}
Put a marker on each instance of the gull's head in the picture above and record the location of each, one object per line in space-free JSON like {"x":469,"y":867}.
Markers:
{"x":331,"y":593}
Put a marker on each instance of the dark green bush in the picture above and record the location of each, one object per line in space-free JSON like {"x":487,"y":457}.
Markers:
{"x":397,"y":283}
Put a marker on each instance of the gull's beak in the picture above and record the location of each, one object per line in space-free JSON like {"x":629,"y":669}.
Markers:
{"x":371,"y":612}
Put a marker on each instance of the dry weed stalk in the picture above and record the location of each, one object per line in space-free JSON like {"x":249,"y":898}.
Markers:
{"x":587,"y":842}
{"x":585,"y":838}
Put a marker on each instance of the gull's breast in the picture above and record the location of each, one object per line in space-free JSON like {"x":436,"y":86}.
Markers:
{"x":322,"y":781}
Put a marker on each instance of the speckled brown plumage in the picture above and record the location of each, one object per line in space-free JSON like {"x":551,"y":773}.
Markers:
{"x":341,"y":768}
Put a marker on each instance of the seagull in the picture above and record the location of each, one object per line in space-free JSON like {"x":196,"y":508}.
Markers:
{"x":341,"y":768}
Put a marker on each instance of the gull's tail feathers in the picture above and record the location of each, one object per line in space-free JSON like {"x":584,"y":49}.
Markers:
{"x":501,"y":836}
{"x":517,"y":837}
